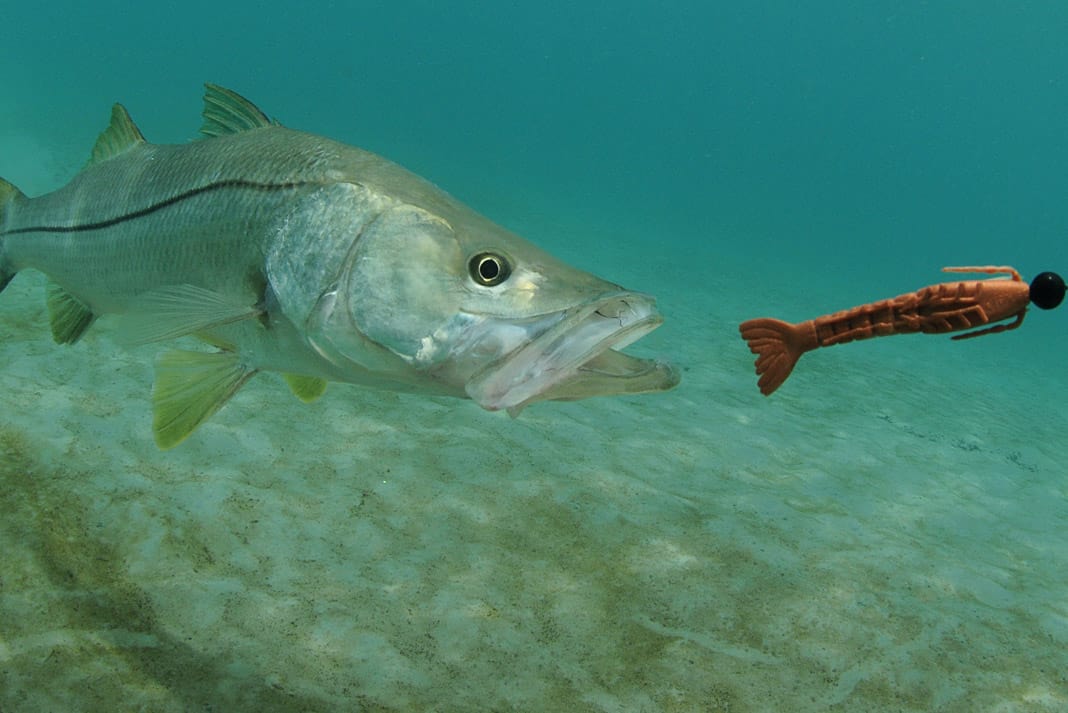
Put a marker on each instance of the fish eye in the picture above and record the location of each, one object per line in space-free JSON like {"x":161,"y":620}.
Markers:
{"x":489,"y":269}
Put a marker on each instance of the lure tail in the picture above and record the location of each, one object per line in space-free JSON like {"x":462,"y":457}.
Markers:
{"x":778,"y":345}
{"x":8,"y":194}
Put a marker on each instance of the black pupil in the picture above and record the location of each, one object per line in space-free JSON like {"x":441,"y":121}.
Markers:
{"x":489,"y":269}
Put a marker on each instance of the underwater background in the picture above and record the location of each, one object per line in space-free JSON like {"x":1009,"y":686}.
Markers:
{"x":885,"y":532}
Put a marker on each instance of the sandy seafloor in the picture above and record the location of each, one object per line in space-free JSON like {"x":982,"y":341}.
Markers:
{"x":885,"y":533}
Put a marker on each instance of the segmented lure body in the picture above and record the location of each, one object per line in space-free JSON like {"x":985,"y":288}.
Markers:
{"x":936,"y":309}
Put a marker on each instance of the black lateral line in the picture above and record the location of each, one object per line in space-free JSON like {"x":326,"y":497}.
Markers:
{"x":193,"y":192}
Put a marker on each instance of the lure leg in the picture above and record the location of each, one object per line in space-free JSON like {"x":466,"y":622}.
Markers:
{"x":995,"y":329}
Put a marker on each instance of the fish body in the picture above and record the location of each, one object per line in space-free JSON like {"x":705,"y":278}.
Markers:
{"x":290,"y":252}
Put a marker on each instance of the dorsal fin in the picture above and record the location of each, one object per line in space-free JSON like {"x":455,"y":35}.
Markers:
{"x":120,"y":136}
{"x":227,"y":112}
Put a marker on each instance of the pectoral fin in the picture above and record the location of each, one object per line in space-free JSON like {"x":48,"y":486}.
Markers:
{"x":190,"y":387}
{"x":306,"y":388}
{"x":70,"y":317}
{"x":175,"y":311}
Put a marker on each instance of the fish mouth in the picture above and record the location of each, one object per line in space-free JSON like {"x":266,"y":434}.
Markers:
{"x":577,"y":356}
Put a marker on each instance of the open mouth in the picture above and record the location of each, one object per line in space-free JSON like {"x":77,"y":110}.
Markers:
{"x":577,"y":357}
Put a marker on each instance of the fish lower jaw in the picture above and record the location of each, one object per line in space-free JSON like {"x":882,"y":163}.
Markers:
{"x":611,"y":373}
{"x":577,"y":359}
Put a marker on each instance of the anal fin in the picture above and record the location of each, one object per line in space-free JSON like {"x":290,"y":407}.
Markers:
{"x":190,"y":387}
{"x":69,"y":316}
{"x":306,"y":388}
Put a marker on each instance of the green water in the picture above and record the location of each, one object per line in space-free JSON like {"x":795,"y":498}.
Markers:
{"x":884,"y":533}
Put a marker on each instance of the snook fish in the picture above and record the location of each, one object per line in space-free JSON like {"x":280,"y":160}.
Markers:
{"x":288,"y":252}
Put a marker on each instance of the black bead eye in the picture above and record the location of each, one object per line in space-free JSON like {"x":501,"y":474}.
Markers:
{"x":1047,"y":290}
{"x":489,"y":269}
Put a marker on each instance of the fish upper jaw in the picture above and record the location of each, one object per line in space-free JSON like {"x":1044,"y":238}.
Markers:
{"x":576,"y":357}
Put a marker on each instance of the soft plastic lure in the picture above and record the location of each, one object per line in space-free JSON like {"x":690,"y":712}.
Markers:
{"x":935,"y":309}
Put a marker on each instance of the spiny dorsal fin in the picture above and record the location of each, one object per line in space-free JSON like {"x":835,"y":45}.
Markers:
{"x":120,"y":136}
{"x":306,"y":388}
{"x":70,"y":317}
{"x":190,"y":387}
{"x":227,"y":112}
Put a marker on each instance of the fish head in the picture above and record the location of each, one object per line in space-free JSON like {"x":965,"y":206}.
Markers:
{"x":481,"y":312}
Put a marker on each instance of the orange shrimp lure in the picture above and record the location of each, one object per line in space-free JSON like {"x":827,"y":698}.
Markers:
{"x":935,"y":309}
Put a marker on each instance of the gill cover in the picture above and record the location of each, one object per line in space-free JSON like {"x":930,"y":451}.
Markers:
{"x":406,"y":279}
{"x":364,"y":276}
{"x":311,"y":253}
